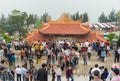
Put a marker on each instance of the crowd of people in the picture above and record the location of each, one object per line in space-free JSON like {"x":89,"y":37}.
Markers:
{"x":102,"y":74}
{"x":65,"y":55}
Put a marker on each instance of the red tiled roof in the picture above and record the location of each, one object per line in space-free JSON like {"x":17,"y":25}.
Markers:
{"x":65,"y":29}
{"x":92,"y":36}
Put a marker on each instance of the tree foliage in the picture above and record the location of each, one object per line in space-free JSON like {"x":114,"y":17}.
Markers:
{"x":44,"y":17}
{"x":118,"y":43}
{"x":77,"y":17}
{"x":85,"y":17}
{"x":112,"y":16}
{"x":17,"y":21}
{"x":6,"y":37}
{"x":102,"y":18}
{"x":111,"y":36}
{"x":3,"y":22}
{"x":38,"y":24}
{"x":118,"y":18}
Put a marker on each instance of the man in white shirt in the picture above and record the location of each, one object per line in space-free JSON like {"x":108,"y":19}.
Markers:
{"x":95,"y":68}
{"x":18,"y":72}
{"x":89,"y":51}
{"x":86,"y":44}
{"x":44,"y":43}
{"x":58,"y":73}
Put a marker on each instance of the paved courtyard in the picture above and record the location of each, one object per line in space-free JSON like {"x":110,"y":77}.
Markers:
{"x":80,"y":70}
{"x":76,"y":78}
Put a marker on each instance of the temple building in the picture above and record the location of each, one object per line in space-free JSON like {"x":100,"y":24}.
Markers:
{"x":65,"y":29}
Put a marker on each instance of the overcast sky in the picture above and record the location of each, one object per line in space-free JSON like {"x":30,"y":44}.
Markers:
{"x":56,"y":7}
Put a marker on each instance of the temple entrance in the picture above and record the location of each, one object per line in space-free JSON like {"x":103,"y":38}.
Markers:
{"x":66,"y":38}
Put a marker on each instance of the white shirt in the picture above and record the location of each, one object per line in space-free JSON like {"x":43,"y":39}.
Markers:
{"x":1,"y":54}
{"x":102,"y":44}
{"x":92,"y":71}
{"x":58,"y":72}
{"x":18,"y":70}
{"x":86,"y":44}
{"x":49,"y":51}
{"x":89,"y":49}
{"x":77,"y":54}
{"x":44,"y":44}
{"x":119,"y":50}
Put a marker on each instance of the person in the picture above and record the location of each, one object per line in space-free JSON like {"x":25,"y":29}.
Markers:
{"x":110,"y":75}
{"x":6,"y":72}
{"x":58,"y":73}
{"x":90,"y":74}
{"x":116,"y":75}
{"x":27,"y":76}
{"x":18,"y":72}
{"x":31,"y":73}
{"x":13,"y":59}
{"x":103,"y":54}
{"x":96,"y":76}
{"x":89,"y":51}
{"x":95,"y":68}
{"x":2,"y":70}
{"x":23,"y":72}
{"x":53,"y":75}
{"x":22,"y":53}
{"x":87,"y":44}
{"x":84,"y":55}
{"x":104,"y":75}
{"x":42,"y":73}
{"x":38,"y":57}
{"x":69,"y":73}
{"x":116,"y":56}
{"x":1,"y":53}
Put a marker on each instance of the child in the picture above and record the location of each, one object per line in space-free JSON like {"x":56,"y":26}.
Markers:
{"x":27,"y":76}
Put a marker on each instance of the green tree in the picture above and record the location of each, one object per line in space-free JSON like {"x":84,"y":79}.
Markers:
{"x":118,"y":43}
{"x":118,"y":18}
{"x":73,"y":17}
{"x":3,"y":23}
{"x":112,"y":16}
{"x":17,"y":21}
{"x":38,"y":24}
{"x":2,"y":31}
{"x":102,"y":18}
{"x":44,"y":17}
{"x":76,"y":16}
{"x":111,"y":36}
{"x":85,"y":17}
{"x":6,"y":37}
